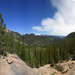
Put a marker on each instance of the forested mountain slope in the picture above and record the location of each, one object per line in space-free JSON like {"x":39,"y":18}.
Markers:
{"x":36,"y":50}
{"x":32,"y":39}
{"x":72,"y":35}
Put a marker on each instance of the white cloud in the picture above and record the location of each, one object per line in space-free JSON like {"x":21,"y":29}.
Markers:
{"x":63,"y":22}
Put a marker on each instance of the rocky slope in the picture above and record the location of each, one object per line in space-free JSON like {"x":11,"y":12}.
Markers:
{"x":13,"y":65}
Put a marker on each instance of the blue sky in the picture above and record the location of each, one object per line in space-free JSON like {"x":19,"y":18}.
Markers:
{"x":22,"y":15}
{"x":51,"y":17}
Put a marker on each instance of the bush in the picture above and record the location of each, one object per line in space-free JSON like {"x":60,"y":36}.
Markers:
{"x":53,"y":73}
{"x":59,"y":68}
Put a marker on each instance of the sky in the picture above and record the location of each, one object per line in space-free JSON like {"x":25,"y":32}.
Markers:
{"x":49,"y":17}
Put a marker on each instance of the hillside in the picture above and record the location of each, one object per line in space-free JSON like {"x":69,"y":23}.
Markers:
{"x":71,"y":35}
{"x":32,"y":39}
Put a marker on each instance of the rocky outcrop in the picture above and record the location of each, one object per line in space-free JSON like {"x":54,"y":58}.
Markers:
{"x":47,"y":70}
{"x":13,"y":65}
{"x":67,"y":65}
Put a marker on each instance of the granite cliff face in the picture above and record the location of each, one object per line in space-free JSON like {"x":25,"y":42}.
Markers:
{"x":13,"y":65}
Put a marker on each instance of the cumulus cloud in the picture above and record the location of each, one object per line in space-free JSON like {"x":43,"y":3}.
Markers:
{"x":63,"y":22}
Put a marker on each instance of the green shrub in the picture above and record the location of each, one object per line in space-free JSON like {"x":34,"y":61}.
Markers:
{"x":59,"y":68}
{"x":53,"y":73}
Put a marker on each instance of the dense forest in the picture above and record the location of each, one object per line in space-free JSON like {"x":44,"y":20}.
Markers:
{"x":36,"y":50}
